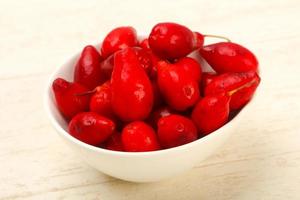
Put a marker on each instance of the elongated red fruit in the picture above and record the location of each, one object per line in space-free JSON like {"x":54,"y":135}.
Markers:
{"x":91,"y":128}
{"x":240,"y":86}
{"x":118,"y":39}
{"x":132,"y":93}
{"x":179,"y":89}
{"x":191,"y":67}
{"x":206,"y":78}
{"x":175,"y":130}
{"x":101,"y":101}
{"x":87,"y":70}
{"x":159,"y":113}
{"x":210,"y":113}
{"x":229,"y":57}
{"x":172,"y":41}
{"x":69,"y":103}
{"x":138,"y":137}
{"x":144,"y":57}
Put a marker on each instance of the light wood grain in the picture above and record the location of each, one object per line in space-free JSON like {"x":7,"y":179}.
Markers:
{"x":260,"y":161}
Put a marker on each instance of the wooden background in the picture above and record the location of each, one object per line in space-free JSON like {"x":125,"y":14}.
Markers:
{"x":260,"y":161}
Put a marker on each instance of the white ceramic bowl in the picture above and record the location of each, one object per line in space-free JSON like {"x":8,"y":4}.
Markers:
{"x":140,"y":166}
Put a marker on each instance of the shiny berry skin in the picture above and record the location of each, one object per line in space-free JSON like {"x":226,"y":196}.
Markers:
{"x":69,"y":103}
{"x":101,"y":101}
{"x":139,"y":137}
{"x":145,"y":44}
{"x":157,"y":97}
{"x":191,"y":67}
{"x":199,"y":38}
{"x":114,"y":142}
{"x":240,"y":86}
{"x":143,"y":56}
{"x":91,"y":128}
{"x":210,"y":113}
{"x":175,"y":130}
{"x":229,"y":57}
{"x":159,"y":113}
{"x":172,"y":41}
{"x":118,"y":39}
{"x":179,"y":89}
{"x":107,"y":66}
{"x":87,"y":70}
{"x":132,"y":93}
{"x":206,"y":78}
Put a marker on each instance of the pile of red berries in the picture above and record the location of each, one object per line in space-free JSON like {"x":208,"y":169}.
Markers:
{"x":149,"y":95}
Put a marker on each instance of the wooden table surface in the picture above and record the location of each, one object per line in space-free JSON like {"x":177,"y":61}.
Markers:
{"x":260,"y":161}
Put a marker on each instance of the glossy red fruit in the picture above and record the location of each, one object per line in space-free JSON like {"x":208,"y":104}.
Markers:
{"x":229,"y":57}
{"x":91,"y":128}
{"x":144,"y":58}
{"x":145,"y":44}
{"x":206,"y":78}
{"x":210,"y":113}
{"x":175,"y":130}
{"x":159,"y":113}
{"x":178,"y":88}
{"x":172,"y":41}
{"x":154,"y":60}
{"x":69,"y":103}
{"x":101,"y":101}
{"x":199,"y":38}
{"x":138,"y":137}
{"x":107,"y":66}
{"x":157,"y":97}
{"x":87,"y":70}
{"x":118,"y":39}
{"x":132,"y":93}
{"x":191,"y":67}
{"x":114,"y":142}
{"x":240,"y":86}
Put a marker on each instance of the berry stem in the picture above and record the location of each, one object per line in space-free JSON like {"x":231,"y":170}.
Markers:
{"x":87,"y":93}
{"x":217,"y":36}
{"x":230,"y":93}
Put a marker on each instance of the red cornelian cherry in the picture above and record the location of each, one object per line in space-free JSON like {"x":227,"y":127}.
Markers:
{"x":172,"y":41}
{"x":229,"y":57}
{"x":157,"y":97}
{"x":114,"y":142}
{"x":91,"y":128}
{"x":87,"y":70}
{"x":191,"y":67}
{"x":199,"y":39}
{"x":139,"y":137}
{"x":145,"y":44}
{"x":143,"y":56}
{"x":107,"y":66}
{"x":101,"y":101}
{"x":210,"y":113}
{"x":206,"y":78}
{"x":175,"y":130}
{"x":159,"y":113}
{"x":179,"y":89}
{"x":67,"y":100}
{"x":154,"y":58}
{"x":240,"y":86}
{"x":118,"y":39}
{"x":132,"y":93}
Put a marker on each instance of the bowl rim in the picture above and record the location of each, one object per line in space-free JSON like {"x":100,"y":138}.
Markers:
{"x":65,"y":134}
